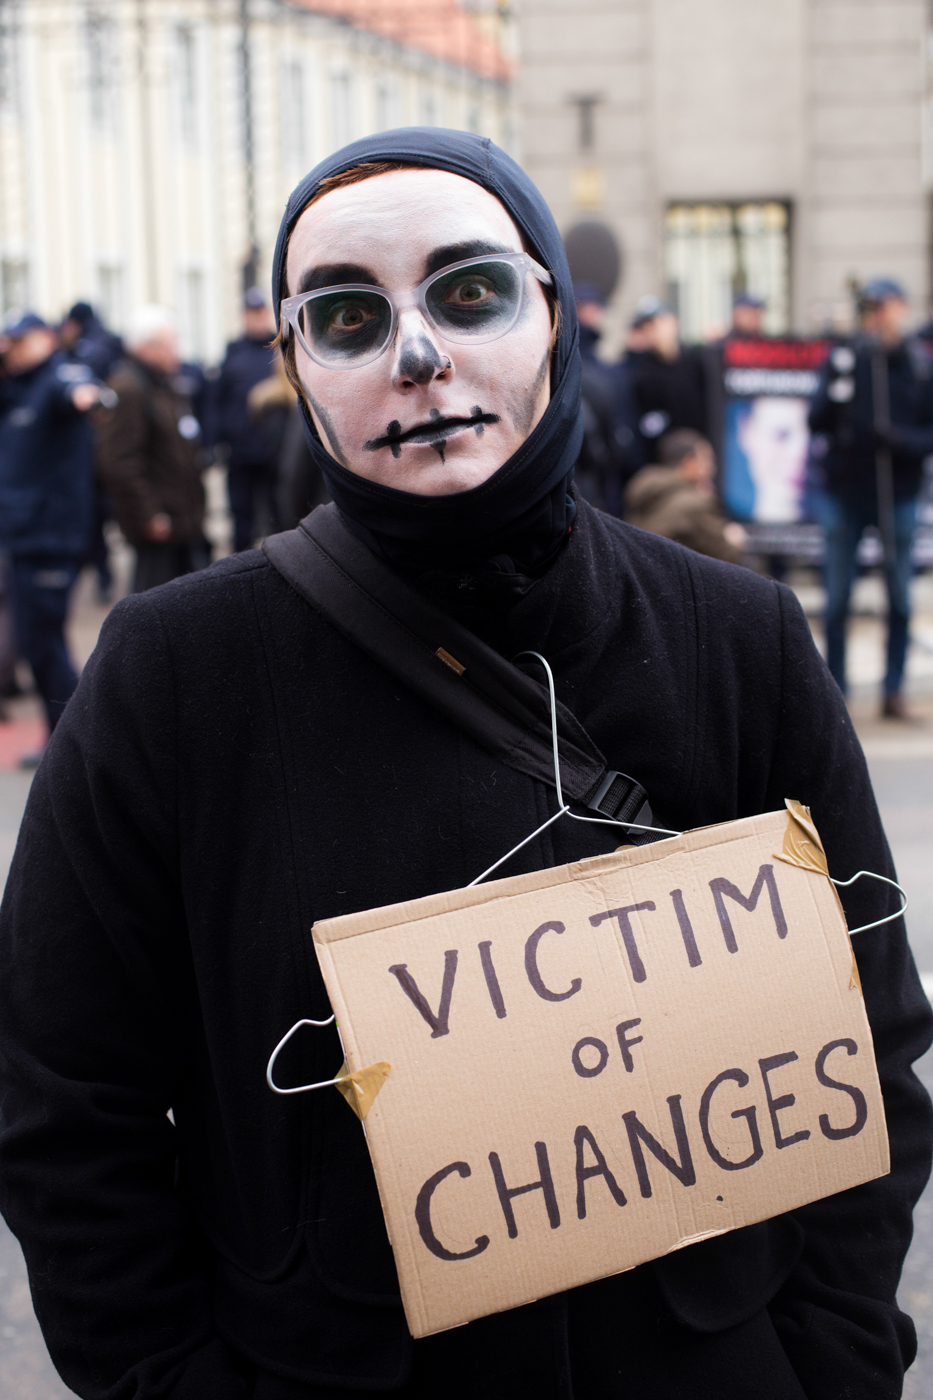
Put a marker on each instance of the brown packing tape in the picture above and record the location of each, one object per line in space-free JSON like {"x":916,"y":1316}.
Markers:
{"x":361,"y":1087}
{"x":855,"y":982}
{"x":802,"y":845}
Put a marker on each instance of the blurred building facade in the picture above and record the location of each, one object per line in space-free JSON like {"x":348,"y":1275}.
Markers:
{"x":736,"y":145}
{"x":147,"y":147}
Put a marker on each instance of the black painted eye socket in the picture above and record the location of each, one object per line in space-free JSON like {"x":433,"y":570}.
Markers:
{"x":343,"y":325}
{"x":476,"y":299}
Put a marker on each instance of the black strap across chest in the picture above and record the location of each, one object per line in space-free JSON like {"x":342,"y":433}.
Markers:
{"x":490,"y":699}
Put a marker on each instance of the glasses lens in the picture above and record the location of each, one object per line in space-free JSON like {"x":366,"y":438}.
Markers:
{"x":342,"y":327}
{"x":481,"y":300}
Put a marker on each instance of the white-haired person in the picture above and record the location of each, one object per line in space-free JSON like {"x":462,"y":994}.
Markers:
{"x":149,"y":454}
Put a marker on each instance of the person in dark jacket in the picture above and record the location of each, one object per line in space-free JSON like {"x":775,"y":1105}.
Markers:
{"x":299,"y":483}
{"x":748,"y":316}
{"x":847,"y":413}
{"x":613,"y":448}
{"x":86,"y":340}
{"x":668,"y":377}
{"x":149,"y":455}
{"x":676,"y":498}
{"x":234,"y":768}
{"x":46,"y":496}
{"x":253,"y":443}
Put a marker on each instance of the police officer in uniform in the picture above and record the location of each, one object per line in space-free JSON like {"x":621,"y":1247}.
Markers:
{"x":46,"y":496}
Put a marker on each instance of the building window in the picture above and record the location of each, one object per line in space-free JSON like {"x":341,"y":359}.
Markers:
{"x":110,"y":295}
{"x":191,"y":314}
{"x":713,"y":251}
{"x":474,"y":120}
{"x":341,"y":110}
{"x":586,"y":120}
{"x":428,"y":105}
{"x":186,"y":82}
{"x":100,"y":37}
{"x":14,"y":284}
{"x":294,"y":110}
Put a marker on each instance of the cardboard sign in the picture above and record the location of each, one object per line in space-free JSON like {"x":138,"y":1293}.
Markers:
{"x":597,"y":1064}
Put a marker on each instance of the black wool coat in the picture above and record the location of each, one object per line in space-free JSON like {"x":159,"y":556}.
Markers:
{"x":149,"y":453}
{"x":848,"y":467}
{"x":46,"y":463}
{"x":230,"y":770}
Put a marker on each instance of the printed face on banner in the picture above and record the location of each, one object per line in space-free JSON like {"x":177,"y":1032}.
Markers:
{"x":766,"y":441}
{"x":773,"y":436}
{"x":596,"y":1065}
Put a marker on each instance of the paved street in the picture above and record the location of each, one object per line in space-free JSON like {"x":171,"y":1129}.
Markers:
{"x":901,"y":761}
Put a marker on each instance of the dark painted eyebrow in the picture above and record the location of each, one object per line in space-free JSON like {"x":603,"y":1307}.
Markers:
{"x":334,"y":275}
{"x":459,"y":252}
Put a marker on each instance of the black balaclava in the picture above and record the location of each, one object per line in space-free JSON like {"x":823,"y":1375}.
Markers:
{"x":494,"y":539}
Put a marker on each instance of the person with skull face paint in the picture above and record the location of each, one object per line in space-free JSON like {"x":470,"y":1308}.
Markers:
{"x":151,"y":953}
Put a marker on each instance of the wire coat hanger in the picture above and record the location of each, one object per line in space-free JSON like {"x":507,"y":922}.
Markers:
{"x":563,"y":810}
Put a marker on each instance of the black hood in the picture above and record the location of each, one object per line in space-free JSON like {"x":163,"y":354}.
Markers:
{"x":514,"y":524}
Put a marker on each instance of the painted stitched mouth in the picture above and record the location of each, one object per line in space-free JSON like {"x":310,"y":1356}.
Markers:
{"x":435,"y":431}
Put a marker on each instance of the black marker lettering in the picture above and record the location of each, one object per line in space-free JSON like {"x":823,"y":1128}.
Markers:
{"x":750,"y":1114}
{"x":531,"y":965}
{"x":722,"y":887}
{"x":775,"y":1106}
{"x":581,"y":1136}
{"x":686,"y":928}
{"x":628,"y":937}
{"x":858,"y":1098}
{"x":423,"y":1215}
{"x":638,"y":1134}
{"x":439,"y":1023}
{"x":584,"y":1071}
{"x":544,"y":1184}
{"x":492,"y":981}
{"x":625,"y":1042}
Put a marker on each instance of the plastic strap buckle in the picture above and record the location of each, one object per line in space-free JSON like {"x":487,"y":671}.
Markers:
{"x":622,"y":799}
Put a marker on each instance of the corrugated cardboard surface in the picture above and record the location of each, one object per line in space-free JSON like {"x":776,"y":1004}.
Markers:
{"x":471,"y":1105}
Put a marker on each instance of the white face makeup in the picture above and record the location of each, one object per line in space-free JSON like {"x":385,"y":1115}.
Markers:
{"x":428,"y":416}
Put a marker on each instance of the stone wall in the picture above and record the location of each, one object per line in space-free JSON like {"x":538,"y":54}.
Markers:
{"x":819,"y":102}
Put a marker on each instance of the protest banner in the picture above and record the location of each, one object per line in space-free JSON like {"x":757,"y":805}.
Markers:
{"x":593,"y":1065}
{"x":767,"y":386}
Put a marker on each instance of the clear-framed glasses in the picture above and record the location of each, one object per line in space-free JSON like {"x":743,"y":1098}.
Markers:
{"x":470,"y":302}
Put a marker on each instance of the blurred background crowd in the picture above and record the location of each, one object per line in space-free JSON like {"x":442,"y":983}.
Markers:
{"x":744,"y":192}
